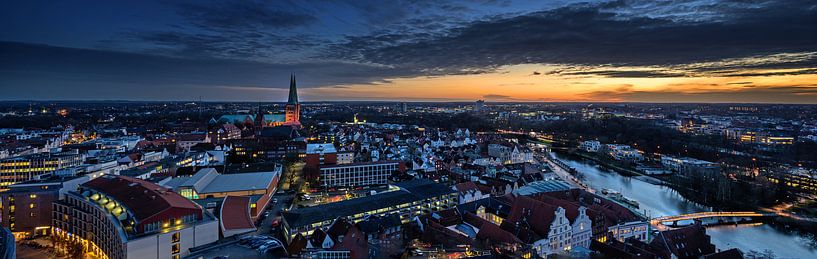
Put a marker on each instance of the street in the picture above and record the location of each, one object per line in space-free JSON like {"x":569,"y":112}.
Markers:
{"x":561,"y":172}
{"x":265,"y":225}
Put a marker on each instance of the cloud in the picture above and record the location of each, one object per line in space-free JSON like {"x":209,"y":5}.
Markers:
{"x":243,"y":15}
{"x":247,"y":30}
{"x":246,"y":45}
{"x":215,"y":47}
{"x":806,"y":94}
{"x":588,"y":34}
{"x":506,"y":98}
{"x":68,"y":73}
{"x":623,"y":73}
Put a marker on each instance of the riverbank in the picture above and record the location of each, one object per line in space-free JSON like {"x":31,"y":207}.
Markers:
{"x":621,"y":170}
{"x":786,"y":238}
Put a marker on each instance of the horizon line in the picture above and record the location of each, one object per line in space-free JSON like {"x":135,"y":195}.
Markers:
{"x":392,"y":101}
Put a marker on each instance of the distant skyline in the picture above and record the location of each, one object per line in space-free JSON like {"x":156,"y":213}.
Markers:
{"x":701,"y":51}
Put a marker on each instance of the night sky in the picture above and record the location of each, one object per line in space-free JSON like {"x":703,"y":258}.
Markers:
{"x":641,"y":51}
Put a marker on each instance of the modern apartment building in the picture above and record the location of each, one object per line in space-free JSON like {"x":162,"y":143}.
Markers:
{"x":124,"y":217}
{"x":359,"y":174}
{"x":24,"y":168}
{"x":25,"y":208}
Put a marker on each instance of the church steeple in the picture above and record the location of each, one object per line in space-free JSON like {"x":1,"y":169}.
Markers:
{"x":293,"y":91}
{"x":293,"y":108}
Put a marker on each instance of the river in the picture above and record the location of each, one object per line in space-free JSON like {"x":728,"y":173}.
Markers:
{"x":657,"y":200}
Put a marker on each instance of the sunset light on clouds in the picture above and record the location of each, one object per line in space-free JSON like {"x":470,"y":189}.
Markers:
{"x":543,"y":83}
{"x":501,"y":51}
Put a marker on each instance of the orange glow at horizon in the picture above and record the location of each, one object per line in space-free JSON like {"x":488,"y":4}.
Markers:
{"x":519,"y":83}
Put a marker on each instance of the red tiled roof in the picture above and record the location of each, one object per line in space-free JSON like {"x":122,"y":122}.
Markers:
{"x":338,"y":228}
{"x":144,"y":199}
{"x":613,"y":212}
{"x":466,"y":186}
{"x":571,"y":209}
{"x":235,"y":213}
{"x":135,"y":157}
{"x":446,"y":217}
{"x":490,"y":231}
{"x":298,"y":243}
{"x":190,"y":137}
{"x":353,"y":241}
{"x":536,"y":214}
{"x":230,"y":127}
{"x":687,"y":242}
{"x":317,"y":237}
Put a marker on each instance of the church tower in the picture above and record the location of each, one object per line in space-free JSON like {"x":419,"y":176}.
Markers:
{"x":293,"y":107}
{"x":259,"y":120}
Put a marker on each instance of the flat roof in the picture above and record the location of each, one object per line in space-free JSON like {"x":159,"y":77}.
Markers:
{"x":410,"y":191}
{"x":50,"y":180}
{"x":41,"y":156}
{"x":320,"y":148}
{"x":223,"y":182}
{"x":240,"y":182}
{"x":542,"y":186}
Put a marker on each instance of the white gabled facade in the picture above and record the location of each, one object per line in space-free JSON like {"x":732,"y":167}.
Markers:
{"x":564,"y":235}
{"x":582,"y":232}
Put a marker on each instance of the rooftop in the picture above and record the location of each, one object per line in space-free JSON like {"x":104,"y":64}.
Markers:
{"x":208,"y":180}
{"x":320,"y":148}
{"x":410,"y":191}
{"x":235,"y":213}
{"x":240,"y":182}
{"x":144,"y":199}
{"x":542,"y":186}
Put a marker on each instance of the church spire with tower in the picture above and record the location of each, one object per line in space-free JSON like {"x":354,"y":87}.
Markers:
{"x":293,"y":91}
{"x":293,"y":107}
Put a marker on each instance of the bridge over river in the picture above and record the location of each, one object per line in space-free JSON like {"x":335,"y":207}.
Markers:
{"x":720,"y":216}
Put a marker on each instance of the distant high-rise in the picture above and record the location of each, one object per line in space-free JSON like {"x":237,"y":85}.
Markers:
{"x":479,"y":106}
{"x":293,"y":107}
{"x":403,"y":107}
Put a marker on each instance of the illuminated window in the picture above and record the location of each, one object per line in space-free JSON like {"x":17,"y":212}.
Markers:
{"x":252,"y":205}
{"x":176,"y":237}
{"x":32,"y":205}
{"x":32,"y":196}
{"x":175,"y":249}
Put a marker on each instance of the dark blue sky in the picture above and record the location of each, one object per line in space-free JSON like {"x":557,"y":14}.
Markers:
{"x":227,"y":50}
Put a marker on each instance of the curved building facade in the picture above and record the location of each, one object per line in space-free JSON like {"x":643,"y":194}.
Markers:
{"x":124,"y":217}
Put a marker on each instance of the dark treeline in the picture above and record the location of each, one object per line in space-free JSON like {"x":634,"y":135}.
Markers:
{"x":650,"y":137}
{"x":730,"y":191}
{"x":434,"y":120}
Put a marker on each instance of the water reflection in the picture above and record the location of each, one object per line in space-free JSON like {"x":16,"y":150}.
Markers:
{"x":656,"y":201}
